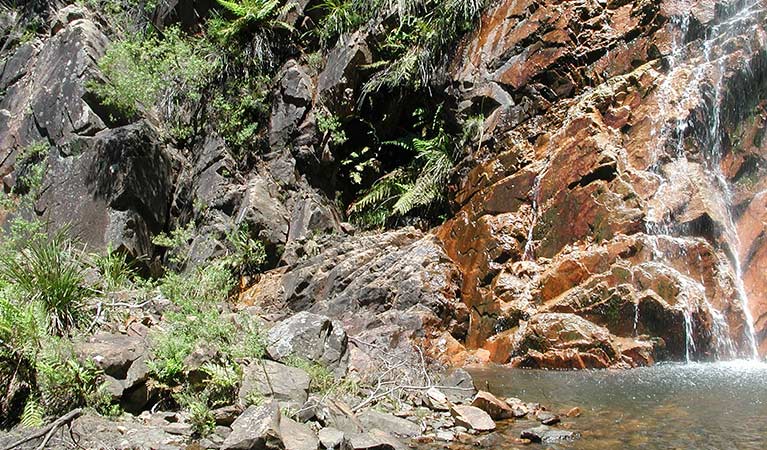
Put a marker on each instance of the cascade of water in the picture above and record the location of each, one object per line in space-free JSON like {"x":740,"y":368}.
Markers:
{"x":529,"y":246}
{"x":660,"y":222}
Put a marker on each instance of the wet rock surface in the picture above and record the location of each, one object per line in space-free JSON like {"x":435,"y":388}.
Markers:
{"x":580,"y":205}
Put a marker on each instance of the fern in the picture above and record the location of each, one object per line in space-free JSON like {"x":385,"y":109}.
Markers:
{"x":419,"y":185}
{"x":251,"y":14}
{"x":33,"y":414}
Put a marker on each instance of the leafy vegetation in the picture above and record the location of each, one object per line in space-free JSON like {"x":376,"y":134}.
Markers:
{"x":247,"y":255}
{"x":48,"y":273}
{"x":248,"y":16}
{"x":330,"y":126}
{"x":197,"y":321}
{"x":240,"y":111}
{"x":147,"y":71}
{"x":30,"y":167}
{"x":42,"y":303}
{"x":411,"y":52}
{"x":420,"y":184}
{"x":114,"y":268}
{"x":176,"y":242}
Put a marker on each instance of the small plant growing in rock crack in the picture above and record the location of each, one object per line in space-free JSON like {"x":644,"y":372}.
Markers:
{"x":176,"y":242}
{"x":330,"y":126}
{"x":221,"y":384}
{"x":338,"y":18}
{"x":201,"y":417}
{"x":254,"y":398}
{"x":248,"y":255}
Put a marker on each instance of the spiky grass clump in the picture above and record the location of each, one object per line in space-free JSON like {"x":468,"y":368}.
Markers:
{"x":49,"y":272}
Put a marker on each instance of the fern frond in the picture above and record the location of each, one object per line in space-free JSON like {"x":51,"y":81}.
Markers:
{"x":33,"y":415}
{"x":235,"y":8}
{"x":388,"y":187}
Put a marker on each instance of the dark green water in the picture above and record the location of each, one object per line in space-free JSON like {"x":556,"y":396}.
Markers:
{"x":669,"y":406}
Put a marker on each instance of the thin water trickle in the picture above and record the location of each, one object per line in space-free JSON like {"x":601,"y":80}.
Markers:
{"x":529,"y":253}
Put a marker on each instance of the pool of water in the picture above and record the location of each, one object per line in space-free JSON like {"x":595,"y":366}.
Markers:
{"x":668,"y":406}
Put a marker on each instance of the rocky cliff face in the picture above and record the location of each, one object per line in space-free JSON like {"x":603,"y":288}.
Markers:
{"x":618,"y":184}
{"x":611,"y":214}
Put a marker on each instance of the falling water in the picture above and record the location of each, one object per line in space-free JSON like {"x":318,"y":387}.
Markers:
{"x":529,"y":246}
{"x":662,"y":221}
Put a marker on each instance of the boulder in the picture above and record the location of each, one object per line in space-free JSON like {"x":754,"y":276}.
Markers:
{"x":518,"y":407}
{"x":333,"y":439}
{"x":257,"y":428}
{"x":548,"y":435}
{"x":112,"y":188}
{"x":114,"y":354}
{"x":375,"y":440}
{"x":297,"y":436}
{"x":472,"y":418}
{"x":293,"y":103}
{"x":458,"y":386}
{"x":44,"y":89}
{"x":397,"y":426}
{"x":436,"y":399}
{"x":497,"y":409}
{"x":311,"y":337}
{"x":264,"y":213}
{"x":123,"y":359}
{"x":547,"y":418}
{"x":286,"y":385}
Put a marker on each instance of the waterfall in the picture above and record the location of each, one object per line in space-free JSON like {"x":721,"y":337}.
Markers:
{"x":529,"y":253}
{"x":708,"y":73}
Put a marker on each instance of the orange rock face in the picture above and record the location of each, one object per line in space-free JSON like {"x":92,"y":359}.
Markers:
{"x":618,"y":205}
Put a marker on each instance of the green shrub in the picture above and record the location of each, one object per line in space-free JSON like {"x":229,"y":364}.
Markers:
{"x":65,"y":383}
{"x":240,"y":111}
{"x":331,"y":127}
{"x":247,"y":255}
{"x":145,"y":71}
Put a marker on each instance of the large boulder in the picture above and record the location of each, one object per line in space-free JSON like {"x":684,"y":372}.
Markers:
{"x":123,"y":360}
{"x":287,"y":385}
{"x":44,"y":89}
{"x":257,"y":428}
{"x":311,"y":337}
{"x":114,"y":187}
{"x":388,"y":290}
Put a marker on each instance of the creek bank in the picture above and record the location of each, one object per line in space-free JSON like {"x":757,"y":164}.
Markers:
{"x":278,"y":406}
